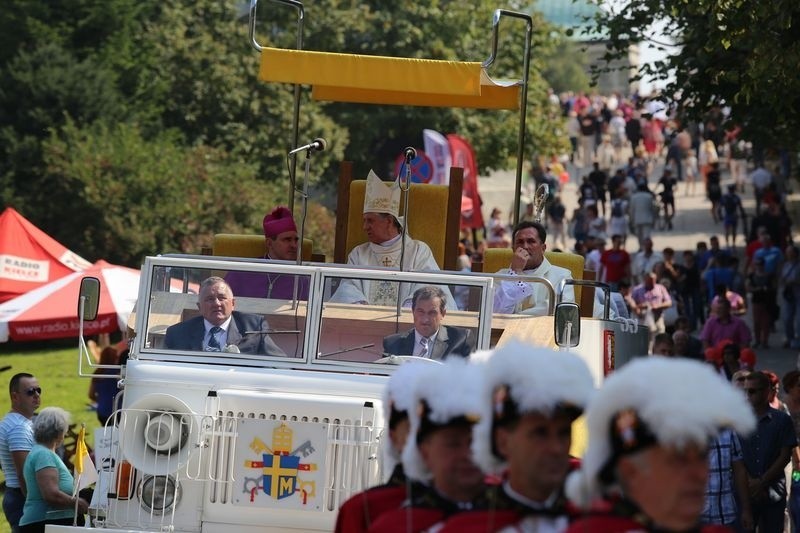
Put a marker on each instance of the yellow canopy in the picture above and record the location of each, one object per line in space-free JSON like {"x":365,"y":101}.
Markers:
{"x":388,"y":80}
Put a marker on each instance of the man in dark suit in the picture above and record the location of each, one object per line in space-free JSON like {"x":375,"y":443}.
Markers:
{"x":220,"y":328}
{"x":429,"y":338}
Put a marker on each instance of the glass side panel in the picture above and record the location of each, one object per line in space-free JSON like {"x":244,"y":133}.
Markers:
{"x":369,"y":319}
{"x":258,"y":315}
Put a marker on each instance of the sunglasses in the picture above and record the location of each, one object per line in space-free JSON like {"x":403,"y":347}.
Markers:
{"x":34,"y":390}
{"x":754,"y":391}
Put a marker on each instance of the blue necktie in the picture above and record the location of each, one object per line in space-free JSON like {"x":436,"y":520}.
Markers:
{"x":213,"y":340}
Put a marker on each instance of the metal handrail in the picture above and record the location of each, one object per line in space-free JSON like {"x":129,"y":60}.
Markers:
{"x":589,"y":283}
{"x":551,"y":301}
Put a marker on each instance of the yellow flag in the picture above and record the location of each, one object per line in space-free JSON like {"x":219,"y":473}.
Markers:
{"x":85,"y":472}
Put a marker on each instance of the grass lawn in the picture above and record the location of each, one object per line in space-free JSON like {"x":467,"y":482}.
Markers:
{"x":55,"y":365}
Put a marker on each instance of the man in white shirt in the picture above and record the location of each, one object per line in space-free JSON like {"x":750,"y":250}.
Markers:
{"x":529,"y":260}
{"x":383,"y":226}
{"x":642,"y":213}
{"x":593,"y":257}
{"x":760,"y":178}
{"x":644,"y":260}
{"x":16,"y":440}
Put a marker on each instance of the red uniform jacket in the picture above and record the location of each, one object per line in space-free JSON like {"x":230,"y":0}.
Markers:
{"x":358,"y":513}
{"x":424,"y":508}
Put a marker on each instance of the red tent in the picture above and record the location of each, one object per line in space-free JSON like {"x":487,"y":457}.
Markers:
{"x":30,"y":258}
{"x":51,"y":311}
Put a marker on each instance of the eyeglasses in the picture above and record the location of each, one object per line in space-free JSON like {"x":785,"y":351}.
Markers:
{"x":34,"y":390}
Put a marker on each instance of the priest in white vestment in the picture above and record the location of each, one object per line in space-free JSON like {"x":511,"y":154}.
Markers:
{"x":382,"y":224}
{"x":533,"y":298}
{"x":529,"y":260}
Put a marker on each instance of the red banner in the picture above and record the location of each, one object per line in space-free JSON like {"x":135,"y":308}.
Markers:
{"x":463,"y":156}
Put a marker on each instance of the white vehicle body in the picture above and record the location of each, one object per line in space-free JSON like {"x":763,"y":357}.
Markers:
{"x":227,"y":441}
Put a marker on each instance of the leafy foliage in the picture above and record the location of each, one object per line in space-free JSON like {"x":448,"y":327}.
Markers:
{"x":162,"y":195}
{"x":569,"y":75}
{"x":737,"y":53}
{"x":132,"y":127}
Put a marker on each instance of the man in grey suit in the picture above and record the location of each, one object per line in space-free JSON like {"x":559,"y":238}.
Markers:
{"x":220,"y":328}
{"x":429,"y":338}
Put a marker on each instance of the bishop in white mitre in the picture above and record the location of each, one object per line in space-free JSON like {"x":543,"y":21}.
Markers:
{"x":383,"y":225}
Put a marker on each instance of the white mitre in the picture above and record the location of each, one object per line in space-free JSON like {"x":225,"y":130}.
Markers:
{"x":382,"y":197}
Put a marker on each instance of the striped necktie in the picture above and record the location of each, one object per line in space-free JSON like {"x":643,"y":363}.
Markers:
{"x":424,"y":342}
{"x":213,"y":340}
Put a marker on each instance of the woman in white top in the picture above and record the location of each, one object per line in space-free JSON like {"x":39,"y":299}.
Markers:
{"x":707,"y":156}
{"x":690,"y":172}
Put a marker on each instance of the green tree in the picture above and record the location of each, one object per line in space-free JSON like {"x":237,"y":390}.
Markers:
{"x":737,"y":53}
{"x":40,"y":87}
{"x":110,"y":109}
{"x":565,"y":67}
{"x":142,"y":195}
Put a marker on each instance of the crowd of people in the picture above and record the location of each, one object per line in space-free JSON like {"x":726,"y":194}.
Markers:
{"x":634,"y":164}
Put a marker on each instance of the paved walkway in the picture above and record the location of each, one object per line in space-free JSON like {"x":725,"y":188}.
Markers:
{"x":692,"y":223}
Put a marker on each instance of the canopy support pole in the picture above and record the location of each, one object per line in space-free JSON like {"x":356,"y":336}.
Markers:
{"x":296,"y":110}
{"x":523,"y":106}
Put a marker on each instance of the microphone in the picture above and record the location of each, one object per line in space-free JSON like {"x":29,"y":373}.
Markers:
{"x":393,"y":359}
{"x":345,"y":350}
{"x":410,"y":153}
{"x":271,"y":331}
{"x":319,"y":144}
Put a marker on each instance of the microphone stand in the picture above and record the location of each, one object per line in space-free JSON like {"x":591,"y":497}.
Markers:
{"x":304,"y":211}
{"x":405,"y":186}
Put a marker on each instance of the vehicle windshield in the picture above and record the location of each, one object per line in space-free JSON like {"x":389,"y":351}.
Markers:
{"x":256,"y":313}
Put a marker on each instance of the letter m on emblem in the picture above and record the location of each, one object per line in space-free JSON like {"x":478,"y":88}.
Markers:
{"x":280,"y":475}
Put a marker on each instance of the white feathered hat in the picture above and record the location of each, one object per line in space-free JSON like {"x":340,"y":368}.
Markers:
{"x":522,"y":378}
{"x":443,"y":395}
{"x":382,"y":197}
{"x":398,"y":403}
{"x":649,"y":401}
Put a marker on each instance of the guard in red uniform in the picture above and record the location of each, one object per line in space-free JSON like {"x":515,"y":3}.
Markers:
{"x":443,"y":478}
{"x":646,"y":466}
{"x":359,"y":512}
{"x":531,"y":396}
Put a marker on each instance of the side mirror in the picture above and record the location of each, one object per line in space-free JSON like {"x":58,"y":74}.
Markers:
{"x":90,"y":296}
{"x":567,"y":324}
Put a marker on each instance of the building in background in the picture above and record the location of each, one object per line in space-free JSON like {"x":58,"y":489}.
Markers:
{"x":574,"y":14}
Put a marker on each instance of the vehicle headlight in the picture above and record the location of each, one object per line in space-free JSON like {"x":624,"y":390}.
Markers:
{"x":159,"y":494}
